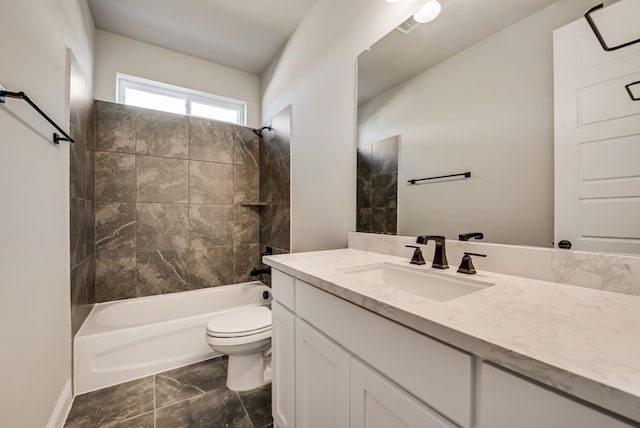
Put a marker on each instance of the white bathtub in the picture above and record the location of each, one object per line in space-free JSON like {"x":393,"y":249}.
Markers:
{"x":129,"y":339}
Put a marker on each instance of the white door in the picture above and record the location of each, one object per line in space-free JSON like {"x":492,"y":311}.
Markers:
{"x":283,"y":366}
{"x":322,"y":380}
{"x":378,"y":403}
{"x":597,"y":133}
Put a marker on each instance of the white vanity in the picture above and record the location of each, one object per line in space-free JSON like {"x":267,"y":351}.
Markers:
{"x":350,"y":350}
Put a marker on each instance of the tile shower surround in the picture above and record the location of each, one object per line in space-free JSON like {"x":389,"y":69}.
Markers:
{"x":82,"y":209}
{"x":377,"y":187}
{"x":169,"y":213}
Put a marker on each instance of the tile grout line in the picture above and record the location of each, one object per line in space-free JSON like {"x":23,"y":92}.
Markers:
{"x":189,"y":159}
{"x":94,"y":145}
{"x":135,"y":219}
{"x":246,"y":412}
{"x":189,"y":250}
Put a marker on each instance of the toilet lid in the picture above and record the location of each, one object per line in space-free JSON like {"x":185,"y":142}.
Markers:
{"x":240,"y":322}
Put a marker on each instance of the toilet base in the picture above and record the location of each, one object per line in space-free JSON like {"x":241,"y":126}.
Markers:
{"x":248,"y":372}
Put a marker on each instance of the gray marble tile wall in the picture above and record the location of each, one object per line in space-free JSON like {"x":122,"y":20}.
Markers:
{"x":377,"y":187}
{"x":173,"y":197}
{"x":82,"y":209}
{"x":275,"y":185}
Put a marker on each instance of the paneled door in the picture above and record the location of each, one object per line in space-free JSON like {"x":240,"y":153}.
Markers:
{"x":322,"y":380}
{"x":597,"y":133}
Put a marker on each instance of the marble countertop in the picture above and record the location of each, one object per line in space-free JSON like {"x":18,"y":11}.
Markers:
{"x":581,"y":341}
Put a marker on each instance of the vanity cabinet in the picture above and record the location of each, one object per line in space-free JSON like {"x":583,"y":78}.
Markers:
{"x":343,"y":366}
{"x":338,"y":365}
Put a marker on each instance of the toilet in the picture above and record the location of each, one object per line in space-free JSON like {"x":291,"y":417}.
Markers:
{"x":245,"y":336}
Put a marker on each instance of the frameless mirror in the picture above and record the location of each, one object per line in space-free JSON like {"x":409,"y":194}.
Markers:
{"x":470,"y":94}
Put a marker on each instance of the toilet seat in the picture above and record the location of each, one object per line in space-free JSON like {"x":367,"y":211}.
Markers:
{"x":241,"y":323}
{"x":224,"y":342}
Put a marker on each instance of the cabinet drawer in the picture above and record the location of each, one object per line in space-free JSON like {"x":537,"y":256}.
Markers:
{"x":507,"y":401}
{"x":437,"y":374}
{"x":282,"y":287}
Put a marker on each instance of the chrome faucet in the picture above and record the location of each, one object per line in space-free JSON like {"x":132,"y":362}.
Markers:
{"x":440,"y":255}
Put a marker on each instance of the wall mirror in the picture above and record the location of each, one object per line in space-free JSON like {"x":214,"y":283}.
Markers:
{"x":473,"y":92}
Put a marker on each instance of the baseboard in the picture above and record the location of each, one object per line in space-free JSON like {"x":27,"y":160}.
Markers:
{"x":61,"y":411}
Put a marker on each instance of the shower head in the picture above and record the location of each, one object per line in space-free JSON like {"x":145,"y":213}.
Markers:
{"x":258,"y":132}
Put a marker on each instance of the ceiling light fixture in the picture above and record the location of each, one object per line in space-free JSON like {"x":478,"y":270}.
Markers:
{"x":392,"y":1}
{"x":428,"y":12}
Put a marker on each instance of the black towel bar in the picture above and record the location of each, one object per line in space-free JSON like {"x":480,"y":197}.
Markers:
{"x":415,"y":180}
{"x":23,"y":96}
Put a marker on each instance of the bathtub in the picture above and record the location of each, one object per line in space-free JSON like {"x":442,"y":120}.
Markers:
{"x":129,"y":339}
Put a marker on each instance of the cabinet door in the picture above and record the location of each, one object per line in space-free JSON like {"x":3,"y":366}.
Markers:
{"x":283,"y":365}
{"x":378,"y":403}
{"x":507,"y":401}
{"x":322,"y":380}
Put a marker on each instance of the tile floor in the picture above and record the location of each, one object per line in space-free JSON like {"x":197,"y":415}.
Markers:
{"x":188,"y":397}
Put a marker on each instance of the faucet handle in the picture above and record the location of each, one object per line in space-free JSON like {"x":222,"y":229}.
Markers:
{"x":467,"y":236}
{"x":475,"y":254}
{"x":466,"y":265}
{"x":417,"y":258}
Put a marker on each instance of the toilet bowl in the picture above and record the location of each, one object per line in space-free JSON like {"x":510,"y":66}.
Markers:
{"x":244,"y":335}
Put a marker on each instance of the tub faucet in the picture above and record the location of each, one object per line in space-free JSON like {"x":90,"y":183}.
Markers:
{"x":440,"y":255}
{"x":263,"y":271}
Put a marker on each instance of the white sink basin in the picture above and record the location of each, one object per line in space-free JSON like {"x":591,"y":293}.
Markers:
{"x":430,"y":285}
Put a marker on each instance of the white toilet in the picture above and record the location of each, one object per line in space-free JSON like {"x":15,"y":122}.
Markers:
{"x":245,"y":336}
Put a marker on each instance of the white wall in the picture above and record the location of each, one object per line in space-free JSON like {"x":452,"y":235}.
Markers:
{"x":117,"y":54}
{"x":35,"y":326}
{"x":489,"y":110}
{"x":316,"y":74}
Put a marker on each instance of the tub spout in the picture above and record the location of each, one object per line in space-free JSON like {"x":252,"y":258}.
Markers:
{"x":265,"y":271}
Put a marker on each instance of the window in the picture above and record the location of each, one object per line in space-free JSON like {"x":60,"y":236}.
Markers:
{"x":138,"y":92}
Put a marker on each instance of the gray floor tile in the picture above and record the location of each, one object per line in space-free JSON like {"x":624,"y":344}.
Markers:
{"x":143,"y":421}
{"x":187,"y":382}
{"x":220,"y":408}
{"x":191,"y":396}
{"x":258,"y":405}
{"x":113,"y":404}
